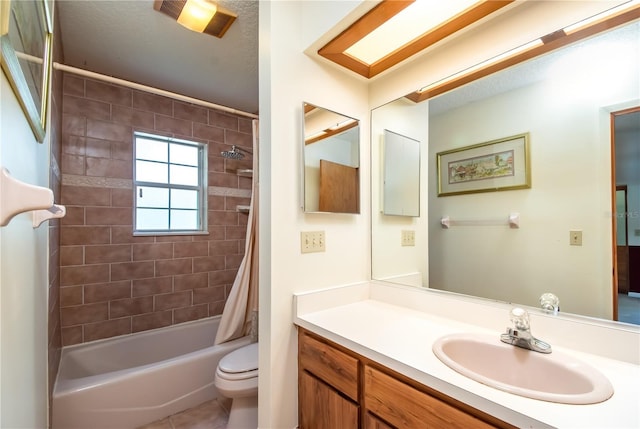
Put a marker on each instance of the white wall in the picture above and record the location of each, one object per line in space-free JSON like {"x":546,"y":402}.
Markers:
{"x":571,"y":187}
{"x":287,"y":78}
{"x":23,"y":279}
{"x":628,"y":173}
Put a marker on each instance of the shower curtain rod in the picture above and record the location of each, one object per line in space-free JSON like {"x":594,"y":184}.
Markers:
{"x":151,"y":89}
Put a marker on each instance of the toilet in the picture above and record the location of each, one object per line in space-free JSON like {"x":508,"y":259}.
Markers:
{"x":237,"y":379}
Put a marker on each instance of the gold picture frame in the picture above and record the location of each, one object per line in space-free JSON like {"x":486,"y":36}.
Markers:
{"x":498,"y":165}
{"x":26,"y":38}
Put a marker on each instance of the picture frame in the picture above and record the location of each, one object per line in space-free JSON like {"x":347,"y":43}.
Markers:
{"x":497,"y":165}
{"x":26,"y":39}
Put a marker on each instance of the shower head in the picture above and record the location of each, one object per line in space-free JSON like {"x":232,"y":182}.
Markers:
{"x":234,"y":153}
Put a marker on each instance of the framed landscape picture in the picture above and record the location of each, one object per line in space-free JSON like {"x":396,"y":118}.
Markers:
{"x":497,"y":165}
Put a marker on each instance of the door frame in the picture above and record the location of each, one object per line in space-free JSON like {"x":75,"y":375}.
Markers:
{"x":614,"y":225}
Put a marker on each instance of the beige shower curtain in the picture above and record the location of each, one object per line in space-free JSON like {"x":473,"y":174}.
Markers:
{"x":242,"y":303}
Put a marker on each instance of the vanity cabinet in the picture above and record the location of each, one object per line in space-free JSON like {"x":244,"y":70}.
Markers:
{"x":337,"y":388}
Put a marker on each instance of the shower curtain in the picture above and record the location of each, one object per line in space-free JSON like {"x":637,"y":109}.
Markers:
{"x":242,"y":303}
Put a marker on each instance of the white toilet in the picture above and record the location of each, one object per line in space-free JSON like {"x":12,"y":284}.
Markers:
{"x":237,"y":379}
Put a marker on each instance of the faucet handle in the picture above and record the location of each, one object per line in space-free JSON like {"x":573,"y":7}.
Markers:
{"x":550,"y":303}
{"x":520,"y":318}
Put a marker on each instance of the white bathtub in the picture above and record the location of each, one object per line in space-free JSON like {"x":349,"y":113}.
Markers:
{"x":126,"y":382}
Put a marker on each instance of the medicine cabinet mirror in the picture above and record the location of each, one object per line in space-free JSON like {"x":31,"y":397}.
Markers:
{"x":401,"y":188}
{"x":331,"y":160}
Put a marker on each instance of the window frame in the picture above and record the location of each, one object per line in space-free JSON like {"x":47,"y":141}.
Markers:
{"x":201,"y":188}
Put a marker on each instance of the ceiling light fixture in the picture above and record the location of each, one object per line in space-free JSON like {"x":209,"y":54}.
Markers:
{"x":202,"y":16}
{"x":196,"y":14}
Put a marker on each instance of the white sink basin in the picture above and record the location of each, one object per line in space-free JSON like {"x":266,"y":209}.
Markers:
{"x":554,"y":377}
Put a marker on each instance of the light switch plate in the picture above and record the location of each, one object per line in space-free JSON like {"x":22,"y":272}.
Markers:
{"x":575,"y":238}
{"x":312,"y":241}
{"x":408,"y":237}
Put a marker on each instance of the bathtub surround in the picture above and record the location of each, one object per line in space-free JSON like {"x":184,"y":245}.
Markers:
{"x":112,"y":283}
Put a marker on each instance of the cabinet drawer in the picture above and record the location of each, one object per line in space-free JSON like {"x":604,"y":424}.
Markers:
{"x":405,"y":407}
{"x":334,"y":367}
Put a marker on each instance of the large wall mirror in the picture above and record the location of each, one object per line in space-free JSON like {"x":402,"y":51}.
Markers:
{"x":331,"y":162}
{"x":565,"y":101}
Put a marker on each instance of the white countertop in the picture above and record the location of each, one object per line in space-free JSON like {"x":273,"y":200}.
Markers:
{"x":401,"y":339}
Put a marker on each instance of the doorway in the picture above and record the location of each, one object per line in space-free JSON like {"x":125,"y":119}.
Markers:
{"x":625,"y":144}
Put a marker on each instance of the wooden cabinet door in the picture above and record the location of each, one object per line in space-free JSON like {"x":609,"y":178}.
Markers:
{"x":321,"y":407}
{"x":372,"y":422}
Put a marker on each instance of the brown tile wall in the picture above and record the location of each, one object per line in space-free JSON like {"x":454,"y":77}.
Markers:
{"x":112,"y":283}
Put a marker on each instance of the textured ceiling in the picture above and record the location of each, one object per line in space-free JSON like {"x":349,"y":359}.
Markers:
{"x":130,"y":40}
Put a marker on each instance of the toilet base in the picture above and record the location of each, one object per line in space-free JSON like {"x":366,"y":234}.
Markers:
{"x":244,"y":413}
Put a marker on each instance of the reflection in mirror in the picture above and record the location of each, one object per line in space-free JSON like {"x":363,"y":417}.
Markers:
{"x":331,"y":161}
{"x":401,"y":190}
{"x":564,"y":100}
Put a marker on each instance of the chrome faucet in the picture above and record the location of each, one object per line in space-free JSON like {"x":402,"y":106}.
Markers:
{"x":520,"y":334}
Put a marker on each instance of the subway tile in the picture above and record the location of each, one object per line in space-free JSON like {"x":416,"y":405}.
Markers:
{"x":124,"y":234}
{"x":222,"y":180}
{"x":245,"y":125}
{"x":107,"y":291}
{"x":245,"y":183}
{"x":152,"y":251}
{"x":81,"y":314}
{"x":230,"y":203}
{"x":100,"y":167}
{"x":187,"y":314}
{"x":174,"y":238}
{"x":122,"y":151}
{"x":133,"y":117}
{"x":152,"y":103}
{"x":216,"y":202}
{"x":232,"y":262}
{"x":74,"y":125}
{"x":207,"y":132}
{"x":131,"y":270}
{"x":154,"y":320}
{"x":71,"y":335}
{"x":107,"y":253}
{"x":71,"y":255}
{"x":122,"y":198}
{"x":108,"y":130}
{"x":222,"y":277}
{"x":189,"y":249}
{"x":223,"y":120}
{"x":107,"y":329}
{"x":114,"y":94}
{"x":235,"y":232}
{"x":70,"y":295}
{"x":216,"y":232}
{"x":152,"y":286}
{"x":172,"y":300}
{"x":130,"y":306}
{"x":73,"y":145}
{"x":172,"y":267}
{"x":108,"y":216}
{"x":74,"y":216}
{"x":84,"y":107}
{"x":216,"y":308}
{"x":85,"y":196}
{"x":173,"y":125}
{"x":216,"y":162}
{"x":243,"y":140}
{"x":223,"y":218}
{"x":84,"y":274}
{"x":189,"y":112}
{"x":73,"y":85}
{"x":72,"y":164}
{"x":97,"y":148}
{"x":190,"y":281}
{"x":224,"y":247}
{"x":78,"y":235}
{"x":208,"y":294}
{"x":209,"y":263}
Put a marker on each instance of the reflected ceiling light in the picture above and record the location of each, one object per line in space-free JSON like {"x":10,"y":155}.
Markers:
{"x":196,"y":14}
{"x":607,"y":13}
{"x":394,"y":30}
{"x":202,"y":16}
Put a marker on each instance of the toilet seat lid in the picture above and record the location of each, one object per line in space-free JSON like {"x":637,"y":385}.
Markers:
{"x":244,"y":359}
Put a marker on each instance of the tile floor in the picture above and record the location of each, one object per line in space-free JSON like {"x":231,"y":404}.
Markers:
{"x":629,"y":309}
{"x":208,"y":415}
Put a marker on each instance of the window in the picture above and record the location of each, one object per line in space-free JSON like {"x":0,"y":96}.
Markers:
{"x":170,"y":182}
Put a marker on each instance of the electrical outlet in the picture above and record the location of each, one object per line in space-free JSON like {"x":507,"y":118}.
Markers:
{"x":575,"y":238}
{"x":312,"y":241}
{"x":408,"y":237}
